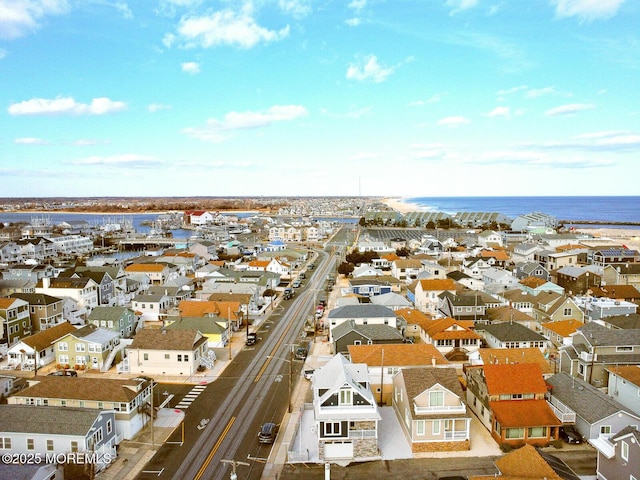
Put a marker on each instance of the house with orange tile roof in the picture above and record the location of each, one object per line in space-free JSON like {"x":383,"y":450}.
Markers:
{"x":494,"y":356}
{"x":415,"y":321}
{"x":384,"y":361}
{"x":429,"y":404}
{"x":158,"y":273}
{"x":427,"y":293}
{"x":455,"y":339}
{"x":509,"y":400}
{"x":560,"y":332}
{"x":226,"y":309}
{"x":258,"y":265}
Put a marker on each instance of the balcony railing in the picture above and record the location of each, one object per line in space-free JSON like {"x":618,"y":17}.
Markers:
{"x":360,"y":434}
{"x":564,"y":413}
{"x":457,"y":435}
{"x":444,"y":409}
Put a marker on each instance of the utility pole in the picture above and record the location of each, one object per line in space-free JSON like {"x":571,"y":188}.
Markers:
{"x":234,"y":463}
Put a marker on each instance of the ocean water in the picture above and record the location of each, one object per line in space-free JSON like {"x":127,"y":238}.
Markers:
{"x":569,"y":209}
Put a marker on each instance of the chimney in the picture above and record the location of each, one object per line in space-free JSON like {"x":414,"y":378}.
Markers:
{"x":46,"y":282}
{"x":433,"y":361}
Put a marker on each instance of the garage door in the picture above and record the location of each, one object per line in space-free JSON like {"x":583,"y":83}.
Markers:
{"x":338,"y":450}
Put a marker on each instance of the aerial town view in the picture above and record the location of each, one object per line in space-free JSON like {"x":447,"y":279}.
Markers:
{"x":315,"y":240}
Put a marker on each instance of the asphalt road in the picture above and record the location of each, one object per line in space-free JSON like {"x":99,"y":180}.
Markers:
{"x":223,"y":421}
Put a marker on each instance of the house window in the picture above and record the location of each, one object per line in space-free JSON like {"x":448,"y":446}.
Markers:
{"x":605,"y":430}
{"x":357,"y":342}
{"x":49,"y":445}
{"x":64,"y":359}
{"x":186,"y":358}
{"x":436,"y":399}
{"x":332,"y":428}
{"x":166,"y":356}
{"x":511,"y":433}
{"x":30,"y":444}
{"x":420,"y":427}
{"x":98,"y":435}
{"x":80,"y":347}
{"x":566,"y":312}
{"x":345,"y":397}
{"x":5,"y":443}
{"x":624,"y":451}
{"x":109,"y":426}
{"x":537,"y":432}
{"x":63,"y":346}
{"x":145,"y":356}
{"x":624,"y":349}
{"x":74,"y":446}
{"x":435,"y":427}
{"x":179,"y":357}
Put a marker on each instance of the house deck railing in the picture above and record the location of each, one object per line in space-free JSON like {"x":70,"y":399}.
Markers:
{"x":564,"y":413}
{"x":445,"y":409}
{"x":360,"y":434}
{"x":457,"y":435}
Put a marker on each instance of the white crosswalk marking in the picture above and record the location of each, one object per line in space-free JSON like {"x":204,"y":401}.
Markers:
{"x":191,"y":396}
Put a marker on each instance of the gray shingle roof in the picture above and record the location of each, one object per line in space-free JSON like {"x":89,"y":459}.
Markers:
{"x":512,"y":331}
{"x":586,"y":400}
{"x":361,"y":311}
{"x":46,"y":420}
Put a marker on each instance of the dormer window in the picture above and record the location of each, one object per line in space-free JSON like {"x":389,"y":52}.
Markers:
{"x":345,"y":397}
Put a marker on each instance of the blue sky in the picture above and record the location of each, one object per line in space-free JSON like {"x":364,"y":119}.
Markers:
{"x":319,"y":97}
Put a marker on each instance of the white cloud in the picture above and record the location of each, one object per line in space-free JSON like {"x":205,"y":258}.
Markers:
{"x":85,"y":142}
{"x":509,"y":91}
{"x":357,"y":5}
{"x":539,"y":92}
{"x":296,"y":8}
{"x":190,"y":67}
{"x":129,"y":160}
{"x":454,"y":121}
{"x":460,"y":5}
{"x":224,"y":27}
{"x":66,"y":105}
{"x":353,"y":112}
{"x":500,"y":112}
{"x":437,"y":97}
{"x":3,"y":53}
{"x":217,"y":130}
{"x":20,"y":17}
{"x":368,"y":69}
{"x":156,"y":107}
{"x":569,"y":109}
{"x":30,"y":141}
{"x":353,"y":22}
{"x":587,"y":10}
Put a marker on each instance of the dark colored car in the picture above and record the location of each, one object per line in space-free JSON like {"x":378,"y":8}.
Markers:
{"x":569,"y":434}
{"x":64,"y":373}
{"x":267,"y":433}
{"x":252,"y":339}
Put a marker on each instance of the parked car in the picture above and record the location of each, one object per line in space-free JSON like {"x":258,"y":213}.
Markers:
{"x":569,"y":434}
{"x":308,"y":374}
{"x":288,"y":293}
{"x":296,"y":283}
{"x":252,"y":338}
{"x":303,"y":350}
{"x":267,"y":433}
{"x":64,"y":373}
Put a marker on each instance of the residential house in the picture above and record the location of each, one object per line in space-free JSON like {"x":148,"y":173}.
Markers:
{"x":620,"y":255}
{"x":122,"y":320}
{"x":531,"y":269}
{"x":166,"y":352}
{"x":384,"y":361}
{"x":619,"y":454}
{"x":595,"y":349}
{"x":32,"y":273}
{"x":525,"y":252}
{"x":366,"y":270}
{"x":158,"y":273}
{"x":429,"y":403}
{"x":552,"y":307}
{"x":41,"y":431}
{"x":518,"y":299}
{"x":427,"y":294}
{"x":512,"y":335}
{"x":455,"y":339}
{"x":577,"y":280}
{"x":227,"y":310}
{"x":621,"y":293}
{"x":494,"y":356}
{"x":593,"y":413}
{"x":83,"y":290}
{"x":560,"y":332}
{"x":391,"y":300}
{"x":86,"y":348}
{"x":415,"y":321}
{"x":16,"y":322}
{"x":214,"y":328}
{"x":367,"y":287}
{"x":151,"y":308}
{"x":506,"y":313}
{"x":45,"y":310}
{"x":106,"y":284}
{"x":597,"y":309}
{"x":526,"y":462}
{"x":197,"y":217}
{"x":465,"y":280}
{"x":489,"y":238}
{"x":467,"y":305}
{"x":553,"y":260}
{"x":509,"y":400}
{"x":474,"y":266}
{"x":129,"y":398}
{"x":406,"y":270}
{"x":624,"y":386}
{"x":346,"y":415}
{"x":628,"y":274}
{"x":37,"y":349}
{"x":365,"y":314}
{"x":536,"y":285}
{"x":351,"y":333}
